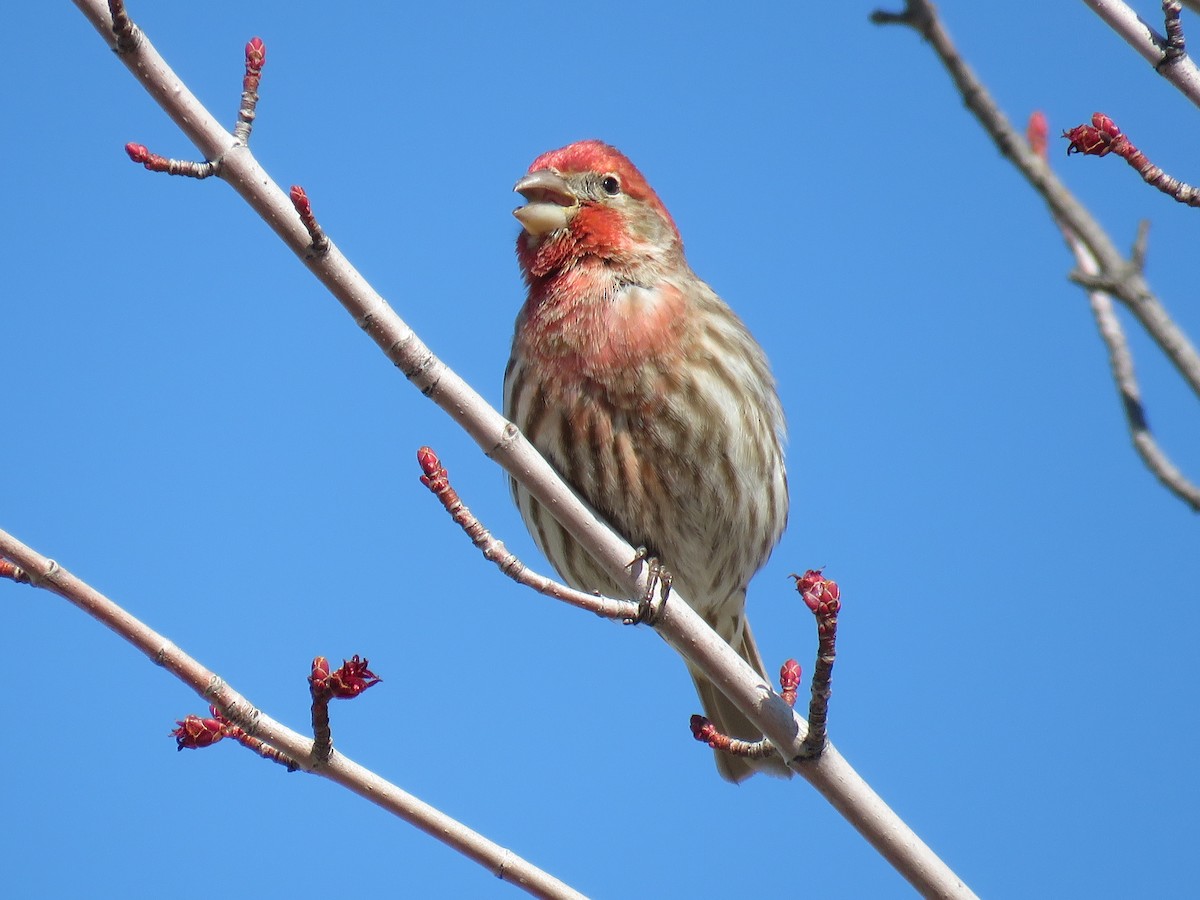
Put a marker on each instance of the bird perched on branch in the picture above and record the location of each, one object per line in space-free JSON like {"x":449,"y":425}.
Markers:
{"x":649,"y":396}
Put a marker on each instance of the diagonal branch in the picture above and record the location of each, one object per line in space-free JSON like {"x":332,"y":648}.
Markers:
{"x":45,"y":573}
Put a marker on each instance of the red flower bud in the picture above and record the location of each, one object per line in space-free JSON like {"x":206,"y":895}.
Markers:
{"x":318,"y":679}
{"x":789,"y":675}
{"x":256,"y":54}
{"x":820,"y":594}
{"x":702,"y":729}
{"x":194,"y":732}
{"x":1097,"y":139}
{"x":435,"y":477}
{"x":138,"y":153}
{"x":352,"y":678}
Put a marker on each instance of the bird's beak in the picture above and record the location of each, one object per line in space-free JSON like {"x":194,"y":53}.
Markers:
{"x":550,"y":202}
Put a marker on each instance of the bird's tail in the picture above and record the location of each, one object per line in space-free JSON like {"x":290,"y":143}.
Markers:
{"x":728,"y":719}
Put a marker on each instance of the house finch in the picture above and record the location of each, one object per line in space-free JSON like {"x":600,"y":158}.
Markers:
{"x":649,"y":396}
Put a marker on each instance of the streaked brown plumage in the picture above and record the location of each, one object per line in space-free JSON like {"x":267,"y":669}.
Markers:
{"x":650,"y":397}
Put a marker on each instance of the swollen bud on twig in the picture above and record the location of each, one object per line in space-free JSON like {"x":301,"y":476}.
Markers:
{"x":789,"y":681}
{"x":194,"y":732}
{"x":1098,"y":139}
{"x":1037,"y":132}
{"x":820,"y":594}
{"x":345,"y":683}
{"x":320,"y":242}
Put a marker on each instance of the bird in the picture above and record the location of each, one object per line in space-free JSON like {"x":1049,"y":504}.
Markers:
{"x":650,"y":397}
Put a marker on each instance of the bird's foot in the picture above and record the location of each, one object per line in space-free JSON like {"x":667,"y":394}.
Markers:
{"x":658,"y":579}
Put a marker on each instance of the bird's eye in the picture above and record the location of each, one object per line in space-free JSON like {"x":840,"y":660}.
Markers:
{"x":611,"y":185}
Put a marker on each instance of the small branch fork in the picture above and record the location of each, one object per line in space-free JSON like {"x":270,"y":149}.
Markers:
{"x":129,"y":39}
{"x":1101,"y":269}
{"x":823,"y":598}
{"x":256,"y":58}
{"x":194,"y":732}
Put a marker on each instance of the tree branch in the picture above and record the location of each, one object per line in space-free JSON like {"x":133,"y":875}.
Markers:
{"x":1123,"y":277}
{"x":501,"y":862}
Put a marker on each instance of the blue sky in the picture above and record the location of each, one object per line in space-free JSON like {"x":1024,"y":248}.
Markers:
{"x":195,"y":427}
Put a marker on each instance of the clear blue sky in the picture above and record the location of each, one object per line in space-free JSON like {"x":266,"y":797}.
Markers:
{"x":194,"y":426}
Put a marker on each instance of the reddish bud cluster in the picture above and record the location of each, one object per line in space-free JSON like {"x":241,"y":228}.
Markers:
{"x":789,"y":681}
{"x":703,"y":730}
{"x":345,"y":683}
{"x":256,"y":54}
{"x":195,"y":732}
{"x":436,"y":478}
{"x":303,"y":206}
{"x":300,"y":200}
{"x":820,"y":594}
{"x":256,"y":58}
{"x":1098,"y":139}
{"x":139,"y":154}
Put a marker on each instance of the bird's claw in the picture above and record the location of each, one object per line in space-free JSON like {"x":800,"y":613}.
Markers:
{"x":657,"y":579}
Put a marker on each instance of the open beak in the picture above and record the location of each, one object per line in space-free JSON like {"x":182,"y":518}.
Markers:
{"x":550,"y":202}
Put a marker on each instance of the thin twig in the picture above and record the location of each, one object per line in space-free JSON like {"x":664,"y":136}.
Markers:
{"x":345,"y":683}
{"x":1103,"y":137}
{"x":823,"y":598}
{"x":189,"y":168}
{"x":256,"y":58}
{"x":437,"y":479}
